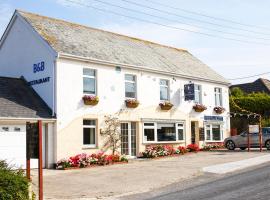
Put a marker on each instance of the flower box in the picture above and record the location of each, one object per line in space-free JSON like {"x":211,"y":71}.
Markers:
{"x":219,"y":109}
{"x":199,"y":108}
{"x":90,"y":100}
{"x":132,"y":103}
{"x":165,"y":105}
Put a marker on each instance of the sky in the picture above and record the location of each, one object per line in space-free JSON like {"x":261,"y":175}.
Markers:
{"x":163,"y":21}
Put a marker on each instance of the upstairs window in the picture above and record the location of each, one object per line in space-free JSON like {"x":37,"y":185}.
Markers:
{"x":198,"y":94}
{"x":218,"y":96}
{"x":89,"y":81}
{"x":164,"y":90}
{"x":130,"y":86}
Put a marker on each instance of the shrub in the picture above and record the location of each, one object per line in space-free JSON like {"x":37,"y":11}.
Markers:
{"x":182,"y":150}
{"x":209,"y":147}
{"x":193,"y":148}
{"x":13,"y":184}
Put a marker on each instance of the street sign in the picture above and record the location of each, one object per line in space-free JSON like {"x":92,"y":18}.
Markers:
{"x":253,"y":129}
{"x":189,"y":92}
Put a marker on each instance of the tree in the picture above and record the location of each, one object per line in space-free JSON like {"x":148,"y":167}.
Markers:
{"x":112,"y":133}
{"x":237,"y":92}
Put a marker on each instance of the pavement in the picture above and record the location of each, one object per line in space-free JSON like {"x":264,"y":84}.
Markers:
{"x":138,"y":176}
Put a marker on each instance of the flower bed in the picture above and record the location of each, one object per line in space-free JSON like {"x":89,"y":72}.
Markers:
{"x":132,"y":103}
{"x":154,"y":151}
{"x":166,"y":105}
{"x":199,"y":107}
{"x":219,"y":109}
{"x":213,"y":146}
{"x":90,"y":100}
{"x":83,"y":160}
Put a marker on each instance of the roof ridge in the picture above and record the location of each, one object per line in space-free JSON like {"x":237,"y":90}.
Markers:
{"x":98,"y":29}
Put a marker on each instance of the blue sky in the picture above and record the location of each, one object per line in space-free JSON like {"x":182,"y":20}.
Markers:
{"x":229,"y":58}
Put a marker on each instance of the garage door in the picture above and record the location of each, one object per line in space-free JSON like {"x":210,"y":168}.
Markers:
{"x":13,"y":146}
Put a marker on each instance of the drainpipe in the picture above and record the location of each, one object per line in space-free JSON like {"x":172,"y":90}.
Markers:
{"x":54,"y":86}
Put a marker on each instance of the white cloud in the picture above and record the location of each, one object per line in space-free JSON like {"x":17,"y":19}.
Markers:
{"x":5,"y":13}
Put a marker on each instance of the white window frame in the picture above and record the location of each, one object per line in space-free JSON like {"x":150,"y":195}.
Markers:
{"x":199,"y":92}
{"x":166,"y":86}
{"x":135,"y":83}
{"x":91,"y":126}
{"x":211,"y":132}
{"x":90,"y":77}
{"x":155,"y":132}
{"x":218,"y":92}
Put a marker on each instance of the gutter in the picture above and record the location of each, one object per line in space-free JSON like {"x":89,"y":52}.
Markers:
{"x":26,"y":119}
{"x":134,"y":67}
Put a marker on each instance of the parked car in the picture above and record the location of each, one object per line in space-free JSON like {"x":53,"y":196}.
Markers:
{"x":241,"y":141}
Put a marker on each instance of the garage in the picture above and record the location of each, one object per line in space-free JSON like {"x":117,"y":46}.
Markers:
{"x":20,"y":104}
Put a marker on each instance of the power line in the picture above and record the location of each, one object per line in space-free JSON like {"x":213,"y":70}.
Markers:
{"x":208,"y":16}
{"x":164,"y":25}
{"x":245,"y":77}
{"x":190,"y":18}
{"x":172,"y":20}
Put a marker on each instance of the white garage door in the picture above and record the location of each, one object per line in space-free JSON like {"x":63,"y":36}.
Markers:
{"x":13,"y":146}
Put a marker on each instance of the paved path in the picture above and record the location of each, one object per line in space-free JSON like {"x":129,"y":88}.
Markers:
{"x":250,"y":185}
{"x":135,"y":177}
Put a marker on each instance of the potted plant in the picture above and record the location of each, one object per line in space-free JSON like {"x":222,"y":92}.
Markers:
{"x":166,"y":105}
{"x":90,"y":100}
{"x":132,"y":103}
{"x":199,"y":107}
{"x":219,"y":109}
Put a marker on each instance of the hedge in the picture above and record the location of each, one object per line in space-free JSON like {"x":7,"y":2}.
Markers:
{"x":13,"y":184}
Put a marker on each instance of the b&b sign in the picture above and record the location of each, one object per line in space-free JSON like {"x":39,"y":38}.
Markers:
{"x":189,"y":92}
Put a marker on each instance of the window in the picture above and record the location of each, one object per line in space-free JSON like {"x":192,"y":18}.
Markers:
{"x":213,"y":132}
{"x":89,"y":133}
{"x":163,"y":132}
{"x":164,"y":90}
{"x":130,"y":86}
{"x":218,"y":96}
{"x":89,"y":81}
{"x":198,"y":94}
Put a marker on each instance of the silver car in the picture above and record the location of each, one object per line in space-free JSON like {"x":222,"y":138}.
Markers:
{"x":241,"y":141}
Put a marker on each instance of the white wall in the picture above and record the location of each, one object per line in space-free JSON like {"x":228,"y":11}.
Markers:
{"x":110,"y":89}
{"x":20,"y":51}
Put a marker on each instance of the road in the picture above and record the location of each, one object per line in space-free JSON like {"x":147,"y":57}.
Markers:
{"x":247,"y":185}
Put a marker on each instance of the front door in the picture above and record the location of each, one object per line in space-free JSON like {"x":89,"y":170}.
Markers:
{"x":193,"y":132}
{"x":128,"y":138}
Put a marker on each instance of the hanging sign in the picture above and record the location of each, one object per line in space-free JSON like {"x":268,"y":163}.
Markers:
{"x":189,"y":92}
{"x":253,"y":129}
{"x":32,"y":140}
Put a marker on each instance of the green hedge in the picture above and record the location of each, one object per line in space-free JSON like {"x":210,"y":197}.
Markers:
{"x":13,"y":184}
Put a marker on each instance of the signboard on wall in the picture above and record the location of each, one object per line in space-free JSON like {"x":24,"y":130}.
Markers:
{"x":189,"y":92}
{"x":213,"y":118}
{"x":253,"y":128}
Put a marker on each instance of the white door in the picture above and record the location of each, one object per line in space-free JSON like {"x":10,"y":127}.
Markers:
{"x":13,"y":146}
{"x":128,"y":139}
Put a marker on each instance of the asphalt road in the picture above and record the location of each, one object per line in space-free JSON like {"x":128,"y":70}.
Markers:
{"x":246,"y":185}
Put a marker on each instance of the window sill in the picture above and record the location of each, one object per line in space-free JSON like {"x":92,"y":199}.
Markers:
{"x":89,"y":147}
{"x":165,"y":142}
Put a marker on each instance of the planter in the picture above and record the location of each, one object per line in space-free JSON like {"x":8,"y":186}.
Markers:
{"x":219,"y":110}
{"x":199,"y":108}
{"x":90,"y":100}
{"x":132,"y":103}
{"x":165,"y":105}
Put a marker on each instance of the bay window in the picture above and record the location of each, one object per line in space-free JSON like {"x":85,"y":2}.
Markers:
{"x":213,"y":132}
{"x":89,"y":81}
{"x":160,"y":132}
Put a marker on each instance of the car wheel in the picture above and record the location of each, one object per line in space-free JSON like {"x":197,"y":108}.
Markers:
{"x":230,"y":145}
{"x":267,"y":144}
{"x":242,"y":148}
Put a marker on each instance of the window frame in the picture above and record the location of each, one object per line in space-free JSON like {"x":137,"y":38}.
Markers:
{"x":211,"y":132}
{"x":90,"y":77}
{"x":200,"y":93}
{"x":90,"y":126}
{"x":167,"y":87}
{"x":218,"y":92}
{"x":135,"y":83}
{"x":155,"y":132}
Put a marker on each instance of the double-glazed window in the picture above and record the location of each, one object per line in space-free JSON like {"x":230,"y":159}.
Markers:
{"x":89,"y":133}
{"x":163,"y":132}
{"x":218,"y":96}
{"x":198,"y":93}
{"x":164,"y":90}
{"x":89,"y":81}
{"x":130,"y":86}
{"x":213,"y":132}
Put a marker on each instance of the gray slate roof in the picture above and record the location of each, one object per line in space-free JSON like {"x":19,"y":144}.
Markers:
{"x":18,"y":100}
{"x":79,"y":40}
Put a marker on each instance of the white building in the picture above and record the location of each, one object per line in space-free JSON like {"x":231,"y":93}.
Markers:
{"x":64,"y":61}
